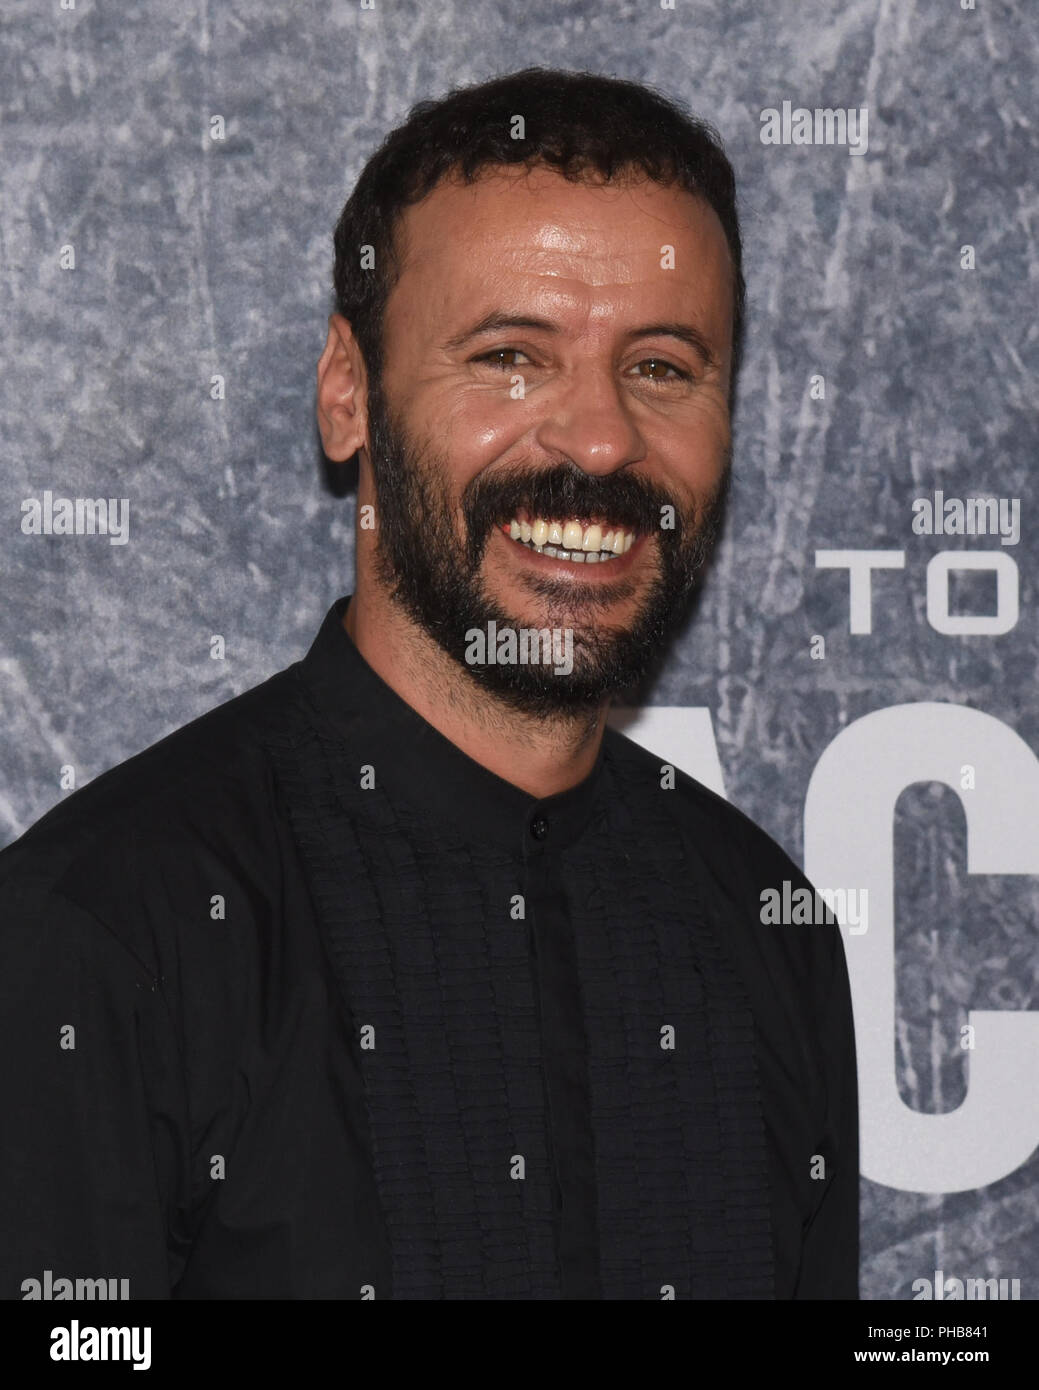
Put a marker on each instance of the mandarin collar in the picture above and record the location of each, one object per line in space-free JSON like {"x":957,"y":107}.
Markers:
{"x":414,"y":762}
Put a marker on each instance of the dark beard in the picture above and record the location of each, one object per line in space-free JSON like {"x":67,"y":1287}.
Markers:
{"x":436,"y":581}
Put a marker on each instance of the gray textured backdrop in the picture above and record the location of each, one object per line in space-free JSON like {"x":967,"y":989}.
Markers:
{"x":196,"y":257}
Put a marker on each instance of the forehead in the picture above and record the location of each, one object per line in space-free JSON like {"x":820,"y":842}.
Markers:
{"x":589,"y":242}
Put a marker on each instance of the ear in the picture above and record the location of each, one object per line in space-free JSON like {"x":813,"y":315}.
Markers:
{"x":342,"y":393}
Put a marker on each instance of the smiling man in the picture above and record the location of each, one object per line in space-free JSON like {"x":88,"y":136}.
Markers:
{"x":402,"y":975}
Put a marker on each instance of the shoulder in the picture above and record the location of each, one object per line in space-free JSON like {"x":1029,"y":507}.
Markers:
{"x":743,"y":870}
{"x":725,"y":837}
{"x":191,"y":812}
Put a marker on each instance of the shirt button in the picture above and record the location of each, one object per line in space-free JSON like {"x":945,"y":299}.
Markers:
{"x":539,"y":827}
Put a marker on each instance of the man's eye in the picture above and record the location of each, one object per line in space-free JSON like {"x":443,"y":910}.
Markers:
{"x":496,"y":353}
{"x":679,"y":375}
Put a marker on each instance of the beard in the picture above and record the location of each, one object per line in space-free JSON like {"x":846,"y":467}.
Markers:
{"x":436,"y":579}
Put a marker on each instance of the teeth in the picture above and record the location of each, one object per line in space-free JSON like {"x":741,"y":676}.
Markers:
{"x":569,"y":540}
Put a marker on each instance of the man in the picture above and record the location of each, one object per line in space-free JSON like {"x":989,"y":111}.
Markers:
{"x":401,"y":975}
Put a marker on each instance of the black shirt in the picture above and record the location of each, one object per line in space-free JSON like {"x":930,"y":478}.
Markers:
{"x":303,"y":1002}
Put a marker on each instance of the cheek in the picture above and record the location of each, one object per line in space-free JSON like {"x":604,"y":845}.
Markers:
{"x":694,"y":455}
{"x":480,"y":428}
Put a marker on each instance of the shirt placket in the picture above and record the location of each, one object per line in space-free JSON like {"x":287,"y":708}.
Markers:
{"x":564,"y":1054}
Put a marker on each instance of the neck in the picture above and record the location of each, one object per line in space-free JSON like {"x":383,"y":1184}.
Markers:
{"x":541,"y":756}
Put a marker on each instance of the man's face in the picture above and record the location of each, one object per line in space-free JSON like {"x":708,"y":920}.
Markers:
{"x":576,"y":419}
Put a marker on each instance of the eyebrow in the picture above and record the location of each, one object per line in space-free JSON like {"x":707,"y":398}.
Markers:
{"x":497,"y":321}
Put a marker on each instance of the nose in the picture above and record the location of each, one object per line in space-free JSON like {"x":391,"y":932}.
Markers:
{"x":590,"y":422}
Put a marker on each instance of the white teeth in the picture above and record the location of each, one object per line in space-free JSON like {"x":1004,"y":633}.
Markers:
{"x":569,"y":540}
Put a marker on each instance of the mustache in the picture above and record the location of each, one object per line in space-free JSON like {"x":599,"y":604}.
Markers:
{"x":563,"y":490}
